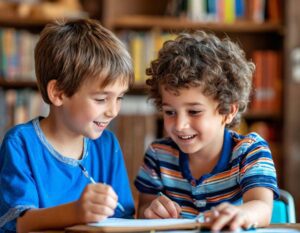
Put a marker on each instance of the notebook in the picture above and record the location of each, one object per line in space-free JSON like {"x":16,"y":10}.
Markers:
{"x":137,"y":225}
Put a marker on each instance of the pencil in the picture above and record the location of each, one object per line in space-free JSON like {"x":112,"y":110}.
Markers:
{"x":86,"y":174}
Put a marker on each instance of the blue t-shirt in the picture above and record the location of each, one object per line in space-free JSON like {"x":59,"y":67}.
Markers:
{"x":34,"y":175}
{"x":245,"y":163}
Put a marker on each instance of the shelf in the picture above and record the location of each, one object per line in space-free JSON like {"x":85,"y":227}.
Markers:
{"x":137,"y":89}
{"x":17,"y":84}
{"x":172,"y":23}
{"x":15,"y":21}
{"x":262,"y":115}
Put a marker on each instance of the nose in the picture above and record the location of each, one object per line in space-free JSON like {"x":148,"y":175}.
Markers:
{"x":181,"y":122}
{"x":112,"y":109}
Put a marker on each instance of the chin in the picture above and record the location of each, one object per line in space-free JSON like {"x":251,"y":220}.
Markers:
{"x":94,"y":136}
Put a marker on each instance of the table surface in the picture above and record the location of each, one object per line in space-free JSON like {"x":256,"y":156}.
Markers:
{"x":272,"y":228}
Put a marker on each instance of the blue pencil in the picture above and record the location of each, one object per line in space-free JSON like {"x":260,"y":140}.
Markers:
{"x":86,"y":174}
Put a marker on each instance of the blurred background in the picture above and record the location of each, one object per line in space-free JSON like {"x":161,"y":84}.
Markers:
{"x":268,"y":30}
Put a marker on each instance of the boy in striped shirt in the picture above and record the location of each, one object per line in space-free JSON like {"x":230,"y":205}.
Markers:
{"x":201,"y":84}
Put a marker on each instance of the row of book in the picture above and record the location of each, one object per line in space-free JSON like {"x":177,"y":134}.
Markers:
{"x":267,"y":82}
{"x":226,"y":11}
{"x":19,"y":106}
{"x":143,"y":47}
{"x":16,"y":54}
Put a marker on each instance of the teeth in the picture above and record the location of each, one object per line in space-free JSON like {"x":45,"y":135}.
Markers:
{"x":186,"y":137}
{"x":99,"y":123}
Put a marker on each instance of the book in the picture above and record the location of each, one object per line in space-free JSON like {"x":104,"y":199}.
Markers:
{"x":138,"y":225}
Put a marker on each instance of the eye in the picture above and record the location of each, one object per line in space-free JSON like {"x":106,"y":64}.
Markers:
{"x":169,"y":112}
{"x":120,"y":98}
{"x":100,"y":100}
{"x":194,"y":112}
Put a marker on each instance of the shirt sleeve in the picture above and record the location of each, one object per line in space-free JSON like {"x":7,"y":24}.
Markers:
{"x":17,"y":186}
{"x":257,"y":167}
{"x":148,"y":179}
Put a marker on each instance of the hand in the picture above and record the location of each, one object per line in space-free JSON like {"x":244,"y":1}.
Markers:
{"x":229,"y":215}
{"x":97,"y":202}
{"x":162,"y":207}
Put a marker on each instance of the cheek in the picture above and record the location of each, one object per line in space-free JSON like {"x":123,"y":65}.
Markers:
{"x":86,"y":112}
{"x":167,"y":123}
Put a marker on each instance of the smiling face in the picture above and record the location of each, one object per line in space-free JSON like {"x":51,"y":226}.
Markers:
{"x":89,"y":111}
{"x":192,"y":120}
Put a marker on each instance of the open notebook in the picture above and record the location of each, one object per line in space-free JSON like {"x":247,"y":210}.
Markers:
{"x":137,"y":225}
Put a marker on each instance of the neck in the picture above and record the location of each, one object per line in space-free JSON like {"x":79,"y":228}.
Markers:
{"x":63,"y":141}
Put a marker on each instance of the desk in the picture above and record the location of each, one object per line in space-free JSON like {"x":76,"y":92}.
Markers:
{"x":277,"y":228}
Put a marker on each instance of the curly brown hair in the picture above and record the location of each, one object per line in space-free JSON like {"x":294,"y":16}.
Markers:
{"x":218,"y":66}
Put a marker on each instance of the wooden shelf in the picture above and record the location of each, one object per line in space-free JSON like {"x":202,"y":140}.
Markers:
{"x":15,"y":21}
{"x":137,"y":89}
{"x":262,"y":115}
{"x":172,"y":23}
{"x":17,"y":84}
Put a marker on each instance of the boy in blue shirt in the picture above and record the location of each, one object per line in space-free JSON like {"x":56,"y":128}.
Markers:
{"x":83,"y":72}
{"x":202,"y":85}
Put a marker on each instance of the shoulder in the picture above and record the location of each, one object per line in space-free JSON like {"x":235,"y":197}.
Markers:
{"x":21,"y":132}
{"x":250,"y":143}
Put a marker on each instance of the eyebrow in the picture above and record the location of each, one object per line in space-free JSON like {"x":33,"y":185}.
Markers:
{"x":187,"y":104}
{"x":107,"y":92}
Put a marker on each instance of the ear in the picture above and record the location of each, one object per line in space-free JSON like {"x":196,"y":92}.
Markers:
{"x":55,"y":95}
{"x":233,"y":111}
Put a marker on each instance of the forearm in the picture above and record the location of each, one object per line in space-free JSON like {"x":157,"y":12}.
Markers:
{"x":49,"y":218}
{"x":258,"y":212}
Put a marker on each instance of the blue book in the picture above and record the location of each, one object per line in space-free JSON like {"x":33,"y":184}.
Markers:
{"x":240,"y":8}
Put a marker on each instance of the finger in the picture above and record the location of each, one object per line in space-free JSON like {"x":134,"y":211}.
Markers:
{"x":101,"y":210}
{"x":222,"y":206}
{"x":150,"y":214}
{"x":103,"y":189}
{"x":160,"y":209}
{"x":225,"y":217}
{"x":92,"y":217}
{"x":211,"y":215}
{"x":170,"y":206}
{"x":102,"y":199}
{"x":237,"y":222}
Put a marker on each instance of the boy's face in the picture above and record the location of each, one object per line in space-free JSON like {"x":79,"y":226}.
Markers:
{"x":192,"y":120}
{"x":89,"y":111}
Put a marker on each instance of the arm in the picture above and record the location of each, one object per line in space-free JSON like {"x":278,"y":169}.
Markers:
{"x":97,"y":202}
{"x":256,"y":211}
{"x":153,"y":206}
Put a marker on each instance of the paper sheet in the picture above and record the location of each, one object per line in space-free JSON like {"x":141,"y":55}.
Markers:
{"x":120,"y":222}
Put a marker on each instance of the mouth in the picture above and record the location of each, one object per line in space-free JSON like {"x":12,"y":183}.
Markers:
{"x":186,"y":137}
{"x":100,"y":124}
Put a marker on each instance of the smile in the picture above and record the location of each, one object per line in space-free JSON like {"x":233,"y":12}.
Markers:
{"x":187,"y":137}
{"x":100,"y":124}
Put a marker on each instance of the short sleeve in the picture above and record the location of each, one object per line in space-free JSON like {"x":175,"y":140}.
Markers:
{"x":148,"y":179}
{"x":17,"y":186}
{"x":257,"y":167}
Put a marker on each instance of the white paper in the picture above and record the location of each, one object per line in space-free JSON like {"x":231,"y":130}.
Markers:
{"x":120,"y":222}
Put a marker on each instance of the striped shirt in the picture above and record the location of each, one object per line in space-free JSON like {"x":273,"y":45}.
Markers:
{"x":245,"y":162}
